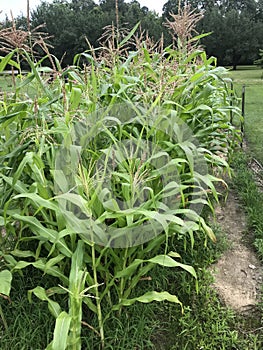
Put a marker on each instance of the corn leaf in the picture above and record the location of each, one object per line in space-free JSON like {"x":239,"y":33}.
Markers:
{"x":60,"y":340}
{"x":150,"y":297}
{"x":5,"y":282}
{"x":40,"y":292}
{"x":44,"y":233}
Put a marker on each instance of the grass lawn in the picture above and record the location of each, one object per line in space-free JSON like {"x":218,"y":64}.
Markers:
{"x":252,"y":78}
{"x":5,"y":83}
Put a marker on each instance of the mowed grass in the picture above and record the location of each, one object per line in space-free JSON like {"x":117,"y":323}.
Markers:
{"x":252,"y":78}
{"x":7,"y":86}
{"x":5,"y":83}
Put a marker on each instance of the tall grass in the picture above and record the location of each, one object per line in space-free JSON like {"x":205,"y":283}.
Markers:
{"x":103,"y":172}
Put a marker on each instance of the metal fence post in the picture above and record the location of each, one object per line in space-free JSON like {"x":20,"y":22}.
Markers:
{"x":243,"y":113}
{"x":231,"y":102}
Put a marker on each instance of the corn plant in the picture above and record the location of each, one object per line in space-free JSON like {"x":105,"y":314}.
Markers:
{"x":99,"y":173}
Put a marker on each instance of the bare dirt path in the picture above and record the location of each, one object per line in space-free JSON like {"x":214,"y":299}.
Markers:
{"x":238,"y":274}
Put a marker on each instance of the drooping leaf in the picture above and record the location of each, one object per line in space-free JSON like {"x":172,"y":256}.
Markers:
{"x":40,"y":292}
{"x":150,"y":297}
{"x":5,"y":282}
{"x":44,"y":233}
{"x":162,"y":260}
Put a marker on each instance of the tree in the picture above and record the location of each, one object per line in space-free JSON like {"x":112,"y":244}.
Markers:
{"x":236,"y":27}
{"x":63,"y":31}
{"x":259,"y":62}
{"x":84,"y":19}
{"x":173,"y":5}
{"x":241,"y":44}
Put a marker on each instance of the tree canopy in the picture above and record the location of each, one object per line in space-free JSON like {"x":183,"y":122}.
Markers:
{"x":236,"y":26}
{"x":73,"y":23}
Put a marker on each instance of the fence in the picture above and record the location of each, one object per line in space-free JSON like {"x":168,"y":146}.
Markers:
{"x":243,"y":101}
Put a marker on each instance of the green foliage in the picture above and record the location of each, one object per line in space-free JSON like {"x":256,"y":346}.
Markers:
{"x":259,"y":62}
{"x":28,"y":325}
{"x":251,"y":196}
{"x":206,"y":324}
{"x":191,"y":129}
{"x":80,"y":20}
{"x":146,"y":326}
{"x":5,"y":279}
{"x":236,"y":34}
{"x":236,"y":28}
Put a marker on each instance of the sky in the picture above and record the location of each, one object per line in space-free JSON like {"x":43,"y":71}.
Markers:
{"x":18,"y":6}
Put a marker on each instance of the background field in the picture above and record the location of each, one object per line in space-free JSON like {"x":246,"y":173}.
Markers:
{"x":252,"y":78}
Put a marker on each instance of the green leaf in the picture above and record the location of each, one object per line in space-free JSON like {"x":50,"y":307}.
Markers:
{"x":40,"y":292}
{"x":61,"y":331}
{"x":28,"y":158}
{"x":39,"y":264}
{"x":208,"y":230}
{"x":2,"y":221}
{"x":17,"y":186}
{"x":189,"y":155}
{"x":7,"y":60}
{"x":174,"y":255}
{"x":127,"y":38}
{"x":198,"y":37}
{"x":44,"y":233}
{"x":75,"y":277}
{"x":37,"y":76}
{"x":150,"y":297}
{"x":167,"y":261}
{"x":41,"y":202}
{"x":23,"y":253}
{"x":162,"y":260}
{"x":51,"y":262}
{"x":128,"y":271}
{"x":75,"y":97}
{"x":5,"y":282}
